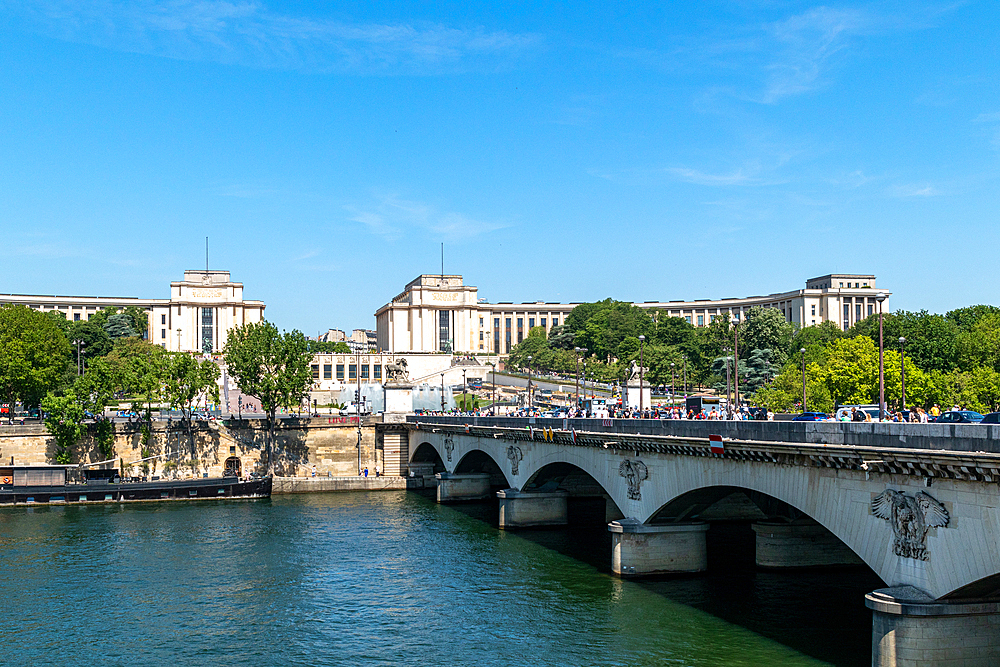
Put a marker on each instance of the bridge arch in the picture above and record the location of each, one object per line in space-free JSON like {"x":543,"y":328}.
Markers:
{"x":427,"y":459}
{"x":481,"y":461}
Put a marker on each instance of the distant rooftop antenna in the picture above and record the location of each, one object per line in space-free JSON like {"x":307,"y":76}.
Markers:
{"x":206,"y":254}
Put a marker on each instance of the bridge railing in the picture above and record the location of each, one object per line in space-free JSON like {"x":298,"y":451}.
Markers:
{"x":952,"y":437}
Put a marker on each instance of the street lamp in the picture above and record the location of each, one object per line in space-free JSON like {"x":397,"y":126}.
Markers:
{"x":902,"y":372}
{"x":736,"y":364}
{"x":642,"y":341}
{"x":729,"y":405}
{"x":442,"y":392}
{"x":578,"y":351}
{"x":178,"y":339}
{"x":79,"y":366}
{"x":530,"y":403}
{"x":493,"y":368}
{"x":802,"y":351}
{"x":672,"y":401}
{"x":880,"y":297}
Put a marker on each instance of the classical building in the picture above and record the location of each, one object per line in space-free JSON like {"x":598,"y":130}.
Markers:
{"x":439,"y":313}
{"x":201,"y":310}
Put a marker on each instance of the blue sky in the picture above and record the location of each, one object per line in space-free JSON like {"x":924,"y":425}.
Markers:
{"x":564,"y":152}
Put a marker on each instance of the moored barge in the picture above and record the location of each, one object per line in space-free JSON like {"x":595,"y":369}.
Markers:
{"x":48,"y":484}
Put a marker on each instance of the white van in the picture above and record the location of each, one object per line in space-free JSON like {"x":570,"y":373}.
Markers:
{"x":872,"y":411}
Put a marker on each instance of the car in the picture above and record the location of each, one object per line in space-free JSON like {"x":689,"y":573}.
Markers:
{"x":991,"y":418}
{"x":811,"y":417}
{"x":960,"y":417}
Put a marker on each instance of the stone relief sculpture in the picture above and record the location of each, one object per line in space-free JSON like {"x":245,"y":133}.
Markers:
{"x":514,"y":455}
{"x":633,"y":472}
{"x":449,"y":446}
{"x":910,"y":517}
{"x":397,"y":372}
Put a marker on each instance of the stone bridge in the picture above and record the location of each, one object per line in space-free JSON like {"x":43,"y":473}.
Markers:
{"x":917,"y":503}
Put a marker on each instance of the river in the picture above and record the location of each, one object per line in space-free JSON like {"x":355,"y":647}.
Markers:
{"x":390,"y":578}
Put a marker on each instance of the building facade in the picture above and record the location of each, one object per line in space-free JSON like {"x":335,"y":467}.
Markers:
{"x":439,"y":313}
{"x":197,"y":317}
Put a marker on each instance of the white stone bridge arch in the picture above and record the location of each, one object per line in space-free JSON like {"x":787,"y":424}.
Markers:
{"x":927,"y":522}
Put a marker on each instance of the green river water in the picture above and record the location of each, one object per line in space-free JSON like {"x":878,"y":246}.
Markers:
{"x":391,"y":578}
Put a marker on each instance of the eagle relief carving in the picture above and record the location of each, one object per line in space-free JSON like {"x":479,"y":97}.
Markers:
{"x":633,"y":472}
{"x":514,"y":455}
{"x":910,"y":518}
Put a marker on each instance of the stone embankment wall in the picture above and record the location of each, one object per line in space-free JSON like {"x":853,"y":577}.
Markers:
{"x":299,"y":445}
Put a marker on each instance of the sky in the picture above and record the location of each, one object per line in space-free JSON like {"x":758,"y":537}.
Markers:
{"x":561,"y":151}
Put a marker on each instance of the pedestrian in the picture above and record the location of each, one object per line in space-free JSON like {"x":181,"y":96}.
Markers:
{"x":366,"y":471}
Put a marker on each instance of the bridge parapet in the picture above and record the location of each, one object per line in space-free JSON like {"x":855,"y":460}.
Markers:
{"x":891,"y":458}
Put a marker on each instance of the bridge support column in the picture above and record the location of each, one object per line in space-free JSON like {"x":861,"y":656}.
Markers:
{"x":910,"y":629}
{"x":639,"y":549}
{"x":800,"y":545}
{"x":452,"y":488}
{"x":525,"y":509}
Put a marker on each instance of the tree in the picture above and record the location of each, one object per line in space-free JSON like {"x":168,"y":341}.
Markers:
{"x":64,"y":420}
{"x":139,"y":370}
{"x":931,"y":340}
{"x":274,"y":367}
{"x":329,"y":347}
{"x":815,"y":340}
{"x":979,"y":345}
{"x":138,"y":320}
{"x":761,"y":367}
{"x":95,"y":340}
{"x":119,"y":325}
{"x":33,"y":354}
{"x":765,"y":329}
{"x":964,"y":318}
{"x":561,"y":338}
{"x":187,"y":379}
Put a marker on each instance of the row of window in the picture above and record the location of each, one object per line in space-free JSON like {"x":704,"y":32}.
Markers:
{"x":352,"y":371}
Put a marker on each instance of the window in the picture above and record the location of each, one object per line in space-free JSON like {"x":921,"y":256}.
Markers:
{"x":688,"y":318}
{"x":711,"y":318}
{"x":857,"y":312}
{"x":315,"y":371}
{"x":531,"y":323}
{"x":857,"y":285}
{"x":481,"y":334}
{"x":520,"y":329}
{"x":555,"y":321}
{"x":847,"y":315}
{"x":814,"y":322}
{"x":340,"y":372}
{"x":364,"y":372}
{"x":841,"y":285}
{"x":871,"y":309}
{"x":163,"y":319}
{"x":327,"y":371}
{"x":352,"y":372}
{"x":76,"y":317}
{"x":480,"y":322}
{"x":507,"y":334}
{"x":814,"y":309}
{"x":377,"y":371}
{"x":496,"y":334}
{"x":444,"y":327}
{"x":701,"y":320}
{"x":206,"y":329}
{"x":163,"y":333}
{"x":543,"y":321}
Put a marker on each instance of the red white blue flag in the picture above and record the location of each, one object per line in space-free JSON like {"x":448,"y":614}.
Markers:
{"x":715,"y":443}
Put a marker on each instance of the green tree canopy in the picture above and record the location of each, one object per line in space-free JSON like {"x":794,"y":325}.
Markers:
{"x":270,"y":365}
{"x":765,"y":329}
{"x":33,"y":354}
{"x":931,"y":340}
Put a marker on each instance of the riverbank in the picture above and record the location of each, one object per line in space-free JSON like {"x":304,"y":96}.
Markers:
{"x":283,"y":485}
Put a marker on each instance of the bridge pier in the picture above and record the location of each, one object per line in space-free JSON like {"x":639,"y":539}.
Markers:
{"x":909,"y":629}
{"x":527,"y":509}
{"x":452,"y":488}
{"x":782,"y":544}
{"x":639,"y":549}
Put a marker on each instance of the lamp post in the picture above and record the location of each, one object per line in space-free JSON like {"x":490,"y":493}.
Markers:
{"x":178,"y":339}
{"x":729,"y":405}
{"x":880,"y":297}
{"x":528,"y":359}
{"x":672,"y":401}
{"x":442,"y":392}
{"x":902,"y":372}
{"x":79,"y":365}
{"x":464,"y":385}
{"x":642,"y":342}
{"x":578,"y":351}
{"x":493,"y":368}
{"x":802,"y":351}
{"x":736,"y":364}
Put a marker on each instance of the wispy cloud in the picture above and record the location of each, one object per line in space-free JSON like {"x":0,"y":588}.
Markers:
{"x":394,"y":218}
{"x":249,"y":34}
{"x":742,"y":176}
{"x":914,"y":190}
